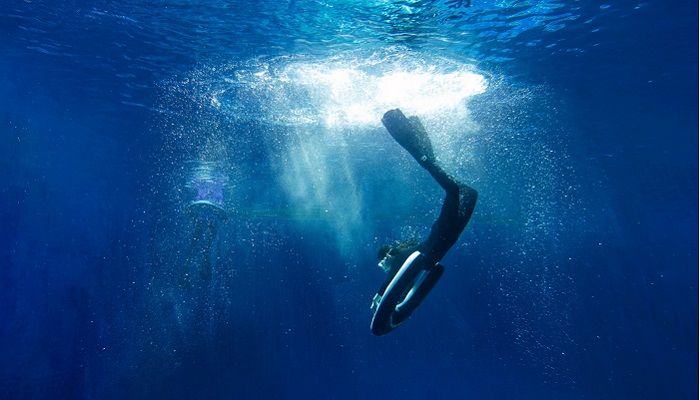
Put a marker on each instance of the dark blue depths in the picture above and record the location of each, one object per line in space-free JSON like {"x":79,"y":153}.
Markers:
{"x":94,"y":228}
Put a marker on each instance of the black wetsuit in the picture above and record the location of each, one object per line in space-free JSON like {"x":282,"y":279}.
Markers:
{"x":457,"y":208}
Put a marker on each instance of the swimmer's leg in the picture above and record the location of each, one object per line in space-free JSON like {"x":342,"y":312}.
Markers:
{"x":205,"y":268}
{"x":184,"y":278}
{"x":192,"y":250}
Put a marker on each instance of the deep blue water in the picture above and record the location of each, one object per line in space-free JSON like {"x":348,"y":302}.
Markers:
{"x":577,"y":122}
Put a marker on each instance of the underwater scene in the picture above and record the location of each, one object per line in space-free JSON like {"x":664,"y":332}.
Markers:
{"x":338,"y":199}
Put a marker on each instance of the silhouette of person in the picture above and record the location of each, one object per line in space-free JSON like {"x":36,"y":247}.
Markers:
{"x":207,"y":215}
{"x":413,"y":267}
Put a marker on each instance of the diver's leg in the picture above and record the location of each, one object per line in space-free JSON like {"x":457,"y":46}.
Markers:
{"x":454,"y":215}
{"x":410,"y":134}
{"x":467,"y":202}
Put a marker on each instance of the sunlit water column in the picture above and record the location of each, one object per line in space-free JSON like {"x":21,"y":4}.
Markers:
{"x":329,"y":110}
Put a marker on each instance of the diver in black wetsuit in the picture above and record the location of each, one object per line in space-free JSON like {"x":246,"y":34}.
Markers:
{"x":457,"y":208}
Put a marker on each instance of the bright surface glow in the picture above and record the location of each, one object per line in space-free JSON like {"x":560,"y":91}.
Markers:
{"x":352,"y":96}
{"x":428,"y":92}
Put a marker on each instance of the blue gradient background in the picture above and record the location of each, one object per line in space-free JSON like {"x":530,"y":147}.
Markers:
{"x":576,"y":279}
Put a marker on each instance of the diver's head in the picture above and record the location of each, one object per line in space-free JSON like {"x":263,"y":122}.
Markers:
{"x":384,"y":251}
{"x":387,"y":252}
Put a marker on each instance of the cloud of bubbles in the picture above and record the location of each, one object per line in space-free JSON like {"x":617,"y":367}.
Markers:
{"x":327,"y":113}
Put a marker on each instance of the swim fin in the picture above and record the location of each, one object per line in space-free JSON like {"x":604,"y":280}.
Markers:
{"x":410,"y":134}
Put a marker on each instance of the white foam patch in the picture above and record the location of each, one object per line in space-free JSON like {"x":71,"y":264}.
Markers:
{"x":339,"y":96}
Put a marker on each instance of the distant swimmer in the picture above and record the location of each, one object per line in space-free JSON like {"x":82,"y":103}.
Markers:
{"x":207,"y":216}
{"x":414,"y":267}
